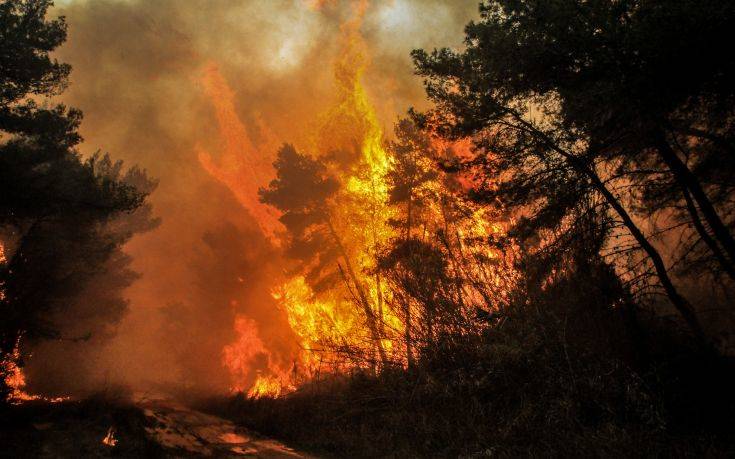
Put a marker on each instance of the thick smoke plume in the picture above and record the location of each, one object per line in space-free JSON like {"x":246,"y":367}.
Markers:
{"x":179,"y":87}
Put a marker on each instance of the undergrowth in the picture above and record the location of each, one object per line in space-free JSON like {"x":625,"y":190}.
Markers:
{"x":536,"y":384}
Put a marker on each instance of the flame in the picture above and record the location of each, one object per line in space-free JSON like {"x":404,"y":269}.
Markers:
{"x":243,"y":165}
{"x":242,"y":355}
{"x":110,"y":439}
{"x":3,"y":260}
{"x":15,"y":380}
{"x":317,"y":322}
{"x":14,"y":377}
{"x":328,"y":320}
{"x":266,"y":386}
{"x":329,"y":324}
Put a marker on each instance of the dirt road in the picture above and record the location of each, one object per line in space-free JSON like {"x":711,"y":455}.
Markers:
{"x":189,"y":433}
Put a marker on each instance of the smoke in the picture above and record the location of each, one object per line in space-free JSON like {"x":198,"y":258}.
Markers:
{"x":140,"y":75}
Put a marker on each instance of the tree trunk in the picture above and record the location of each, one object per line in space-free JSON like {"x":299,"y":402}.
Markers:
{"x":711,"y":243}
{"x":406,"y":303}
{"x":688,"y":180}
{"x":408,"y":217}
{"x":407,"y":333}
{"x":679,"y":302}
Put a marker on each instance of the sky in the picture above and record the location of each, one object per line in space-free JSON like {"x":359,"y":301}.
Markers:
{"x":139,"y":76}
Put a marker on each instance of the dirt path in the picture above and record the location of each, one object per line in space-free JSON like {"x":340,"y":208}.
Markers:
{"x":188,"y":433}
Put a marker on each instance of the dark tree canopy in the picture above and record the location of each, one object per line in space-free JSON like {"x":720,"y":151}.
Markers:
{"x":616,"y":108}
{"x":302,"y":190}
{"x":63,"y":219}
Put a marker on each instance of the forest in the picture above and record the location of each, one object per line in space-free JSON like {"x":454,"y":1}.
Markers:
{"x":494,"y":230}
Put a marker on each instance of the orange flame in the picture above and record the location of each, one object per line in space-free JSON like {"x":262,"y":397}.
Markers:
{"x":327,"y":318}
{"x":244,"y":165}
{"x":240,"y":357}
{"x":16,"y":380}
{"x":325,"y":321}
{"x":110,"y":439}
{"x":267,"y":386}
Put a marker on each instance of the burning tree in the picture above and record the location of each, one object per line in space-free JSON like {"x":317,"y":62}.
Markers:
{"x":389,"y":258}
{"x":306,"y":196}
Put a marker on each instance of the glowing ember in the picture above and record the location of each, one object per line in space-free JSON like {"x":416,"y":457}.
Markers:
{"x":3,"y":260}
{"x":14,"y":377}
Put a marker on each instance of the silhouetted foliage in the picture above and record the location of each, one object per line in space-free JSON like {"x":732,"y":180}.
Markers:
{"x":302,"y":191}
{"x":305,"y":193}
{"x":596,"y":128}
{"x":63,"y":218}
{"x":556,"y":376}
{"x":580,"y":107}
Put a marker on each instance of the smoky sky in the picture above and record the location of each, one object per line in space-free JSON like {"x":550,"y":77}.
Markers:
{"x":137,"y":69}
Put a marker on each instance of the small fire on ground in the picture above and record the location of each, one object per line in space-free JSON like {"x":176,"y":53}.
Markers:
{"x":15,"y":380}
{"x":110,"y":439}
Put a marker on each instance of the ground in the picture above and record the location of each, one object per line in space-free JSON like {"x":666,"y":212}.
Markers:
{"x":146,"y":427}
{"x":178,"y":428}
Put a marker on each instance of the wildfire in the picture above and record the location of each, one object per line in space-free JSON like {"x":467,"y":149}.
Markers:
{"x":355,"y":315}
{"x":3,"y":260}
{"x":327,"y":320}
{"x":266,"y":386}
{"x":14,"y":377}
{"x":243,"y":167}
{"x":316,"y":321}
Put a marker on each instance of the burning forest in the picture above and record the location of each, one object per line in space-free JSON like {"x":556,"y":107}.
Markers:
{"x":366,"y":228}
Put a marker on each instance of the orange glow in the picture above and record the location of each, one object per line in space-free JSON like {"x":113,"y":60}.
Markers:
{"x":3,"y":260}
{"x":338,"y":326}
{"x":242,"y":165}
{"x":330,"y":320}
{"x":320,"y":321}
{"x":267,"y":386}
{"x":240,"y":357}
{"x":16,"y":380}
